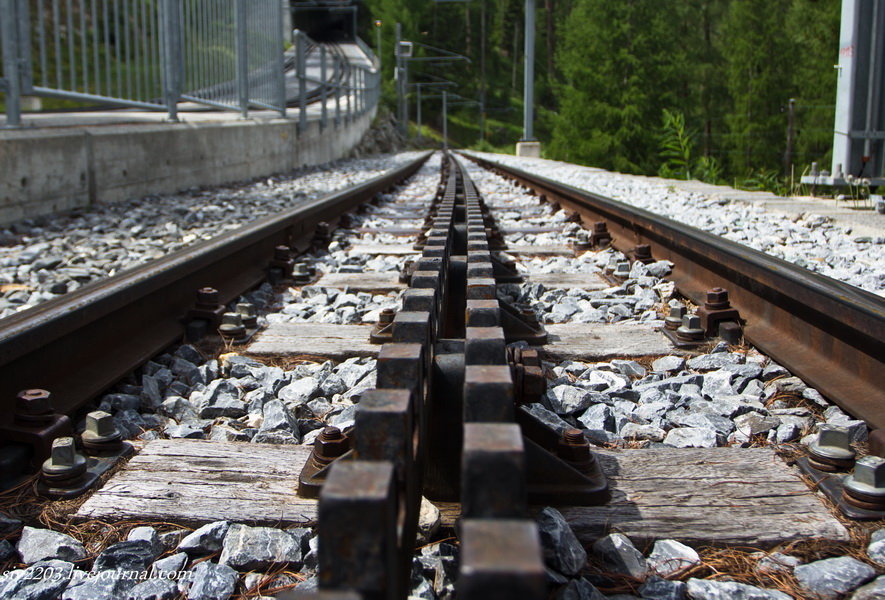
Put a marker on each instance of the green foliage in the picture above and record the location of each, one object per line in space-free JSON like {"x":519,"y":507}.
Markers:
{"x":676,"y":145}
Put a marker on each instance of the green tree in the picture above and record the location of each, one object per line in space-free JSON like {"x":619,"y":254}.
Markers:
{"x":759,"y":58}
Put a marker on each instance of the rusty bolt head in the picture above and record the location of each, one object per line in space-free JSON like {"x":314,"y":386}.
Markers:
{"x":281,"y":253}
{"x":386,"y":316}
{"x":600,"y":227}
{"x":642,"y":251}
{"x":207,"y":296}
{"x":101,"y":424}
{"x":331,"y":443}
{"x":574,"y":437}
{"x":717,"y":296}
{"x":33,"y":402}
{"x":868,"y":477}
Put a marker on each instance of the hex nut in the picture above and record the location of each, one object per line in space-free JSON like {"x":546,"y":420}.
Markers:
{"x":833,"y":442}
{"x":64,"y":462}
{"x":100,"y":428}
{"x":868,"y":477}
{"x":33,"y":402}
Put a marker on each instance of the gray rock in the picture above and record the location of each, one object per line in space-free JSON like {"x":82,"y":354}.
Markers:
{"x":185,"y":431}
{"x":428,"y":521}
{"x":44,"y":580}
{"x":205,"y":540}
{"x":692,"y":437}
{"x":832,"y":577}
{"x":154,"y":589}
{"x":278,"y":418}
{"x":171,"y":539}
{"x":598,"y":417}
{"x":619,"y":555}
{"x":166,"y":567}
{"x":225,"y":433}
{"x":875,"y":590}
{"x":562,"y":550}
{"x":148,"y":534}
{"x":657,"y":588}
{"x":876,"y":549}
{"x":253,"y":548}
{"x":9,"y":525}
{"x":221,"y":389}
{"x":634,"y":431}
{"x":711,"y":362}
{"x":670,"y":556}
{"x":43,"y":544}
{"x":211,"y":582}
{"x":333,"y":384}
{"x":352,"y":371}
{"x":178,"y":408}
{"x":567,"y":399}
{"x":547,"y":417}
{"x":630,"y":368}
{"x":772,"y":370}
{"x":717,"y":384}
{"x":777,"y":562}
{"x":275,"y":437}
{"x":300,"y":391}
{"x":224,"y":406}
{"x":136,"y":555}
{"x":7,"y":551}
{"x":343,"y":419}
{"x":101,"y":585}
{"x":707,"y":589}
{"x":752,"y":424}
{"x":579,"y":589}
{"x":667,"y":364}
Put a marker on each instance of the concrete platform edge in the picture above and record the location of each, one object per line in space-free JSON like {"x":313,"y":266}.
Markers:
{"x":46,"y":172}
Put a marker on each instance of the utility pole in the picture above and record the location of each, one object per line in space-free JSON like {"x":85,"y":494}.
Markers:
{"x":528,"y":146}
{"x":400,"y":87}
{"x":482,"y":69}
{"x":788,"y":155}
{"x":445,"y":122}
{"x":419,"y":110}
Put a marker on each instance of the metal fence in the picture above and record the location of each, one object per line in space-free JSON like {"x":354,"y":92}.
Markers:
{"x":144,"y":53}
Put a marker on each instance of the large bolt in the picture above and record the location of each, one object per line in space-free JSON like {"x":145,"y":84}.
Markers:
{"x":622,"y":269}
{"x":866,"y":486}
{"x":642,"y":253}
{"x":573,"y":446}
{"x":386,"y":316}
{"x":832,"y":450}
{"x":717,"y":299}
{"x":207,"y":297}
{"x":690,"y":330}
{"x":330,"y":444}
{"x":248,"y":314}
{"x":674,"y":319}
{"x":232,"y":326}
{"x":301,"y":273}
{"x":281,"y":253}
{"x":101,"y":432}
{"x":33,"y":403}
{"x":65,"y":462}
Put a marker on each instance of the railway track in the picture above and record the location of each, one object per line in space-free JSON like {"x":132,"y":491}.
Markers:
{"x":454,"y":413}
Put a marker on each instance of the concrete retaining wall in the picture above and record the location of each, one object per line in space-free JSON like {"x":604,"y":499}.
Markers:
{"x":48,"y":171}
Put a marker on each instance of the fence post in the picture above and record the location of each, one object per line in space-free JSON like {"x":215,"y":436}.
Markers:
{"x":171,"y":56}
{"x":11,"y":70}
{"x":281,"y":61}
{"x":302,"y":84}
{"x":323,"y":87}
{"x":337,"y":76}
{"x":242,"y":43}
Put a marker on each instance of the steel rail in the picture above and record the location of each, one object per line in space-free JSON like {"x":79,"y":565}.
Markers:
{"x":827,"y":332}
{"x":79,"y":345}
